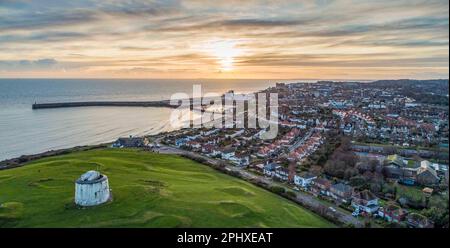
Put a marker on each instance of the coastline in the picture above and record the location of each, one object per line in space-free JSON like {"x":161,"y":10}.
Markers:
{"x":19,"y":161}
{"x":22,"y":160}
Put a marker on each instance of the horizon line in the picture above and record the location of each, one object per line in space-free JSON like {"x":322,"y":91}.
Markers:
{"x":293,"y":79}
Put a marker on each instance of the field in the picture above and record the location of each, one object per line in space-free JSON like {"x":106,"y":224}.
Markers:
{"x":149,"y":190}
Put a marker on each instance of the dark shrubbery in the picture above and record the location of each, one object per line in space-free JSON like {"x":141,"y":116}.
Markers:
{"x":277,"y":190}
{"x":291,"y":194}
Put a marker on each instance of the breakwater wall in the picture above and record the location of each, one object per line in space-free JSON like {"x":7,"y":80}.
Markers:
{"x":163,"y":103}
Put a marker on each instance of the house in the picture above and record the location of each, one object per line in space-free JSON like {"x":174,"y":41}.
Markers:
{"x":180,"y":142}
{"x":441,"y":169}
{"x":259,"y":167}
{"x":320,"y":186}
{"x":395,"y":160}
{"x":215,"y":152}
{"x":304,"y":179}
{"x":426,"y":163}
{"x":410,"y":181}
{"x":416,"y":220}
{"x":365,"y":201}
{"x":269,"y":169}
{"x":392,"y":213}
{"x":240,"y":160}
{"x":244,"y":160}
{"x":227,"y":153}
{"x":408,"y":176}
{"x":394,"y":166}
{"x":208,"y":148}
{"x":427,"y":176}
{"x":237,"y":133}
{"x":341,"y":192}
{"x":130,"y":142}
{"x":281,"y":173}
{"x":348,"y":128}
{"x":193,"y":144}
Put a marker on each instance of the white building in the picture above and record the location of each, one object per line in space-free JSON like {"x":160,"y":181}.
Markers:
{"x":304,"y":180}
{"x":269,"y":169}
{"x":228,"y":153}
{"x":282,"y":173}
{"x":365,"y":201}
{"x":91,"y":189}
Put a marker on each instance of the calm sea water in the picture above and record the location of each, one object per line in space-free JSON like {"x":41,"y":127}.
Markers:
{"x":26,"y":131}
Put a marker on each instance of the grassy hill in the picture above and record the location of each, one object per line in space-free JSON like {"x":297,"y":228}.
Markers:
{"x":149,"y":190}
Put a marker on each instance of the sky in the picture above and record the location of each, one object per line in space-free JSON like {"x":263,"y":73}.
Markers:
{"x":305,"y":39}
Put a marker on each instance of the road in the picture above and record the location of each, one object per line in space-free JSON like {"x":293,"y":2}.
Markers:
{"x":299,"y":142}
{"x":302,"y":198}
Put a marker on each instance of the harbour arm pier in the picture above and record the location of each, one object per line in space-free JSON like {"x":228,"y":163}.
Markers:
{"x":162,"y":103}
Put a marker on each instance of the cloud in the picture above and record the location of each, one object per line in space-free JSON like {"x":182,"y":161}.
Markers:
{"x":29,"y":21}
{"x":140,"y":8}
{"x":138,"y":49}
{"x":46,"y":36}
{"x":231,"y":24}
{"x":362,"y":60}
{"x":20,"y":65}
{"x":137,"y":36}
{"x":28,"y":15}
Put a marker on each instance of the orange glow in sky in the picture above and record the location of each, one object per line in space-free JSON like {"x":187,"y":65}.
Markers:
{"x":301,"y":39}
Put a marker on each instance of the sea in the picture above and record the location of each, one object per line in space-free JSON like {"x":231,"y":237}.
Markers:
{"x":25,"y":131}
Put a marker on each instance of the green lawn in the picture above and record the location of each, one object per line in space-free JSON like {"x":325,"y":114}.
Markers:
{"x":413,"y":191}
{"x":149,"y":190}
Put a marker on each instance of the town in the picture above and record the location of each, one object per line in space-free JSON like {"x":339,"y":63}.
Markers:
{"x":371,"y":154}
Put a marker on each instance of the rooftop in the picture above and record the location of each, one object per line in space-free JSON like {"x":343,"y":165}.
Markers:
{"x":91,"y":177}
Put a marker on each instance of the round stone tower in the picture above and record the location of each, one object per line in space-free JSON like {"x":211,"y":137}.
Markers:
{"x":92,"y":189}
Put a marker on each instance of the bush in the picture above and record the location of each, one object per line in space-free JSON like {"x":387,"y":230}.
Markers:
{"x":234,"y":173}
{"x":291,"y":194}
{"x":349,"y":225}
{"x":439,"y":216}
{"x":277,"y":190}
{"x":358,"y":182}
{"x":389,"y":189}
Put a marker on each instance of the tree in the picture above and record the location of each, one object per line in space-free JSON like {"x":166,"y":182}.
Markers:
{"x":292,"y":170}
{"x":345,"y":144}
{"x":374,"y":187}
{"x":291,"y":194}
{"x":349,"y":173}
{"x":373,"y":164}
{"x":335,"y":168}
{"x":439,"y":216}
{"x":278,"y":190}
{"x":369,"y":176}
{"x":358,"y":182}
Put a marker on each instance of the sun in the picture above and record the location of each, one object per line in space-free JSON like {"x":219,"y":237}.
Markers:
{"x":225,"y":52}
